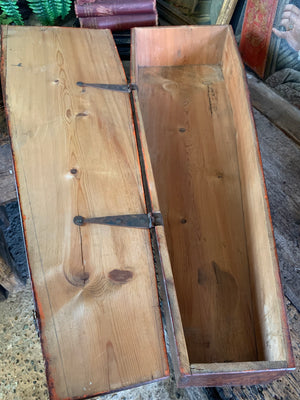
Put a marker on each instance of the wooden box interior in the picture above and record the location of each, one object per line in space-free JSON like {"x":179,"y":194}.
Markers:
{"x":207,"y":170}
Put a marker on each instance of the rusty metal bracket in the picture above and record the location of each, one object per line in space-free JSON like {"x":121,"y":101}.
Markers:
{"x":144,"y":221}
{"x":107,"y":86}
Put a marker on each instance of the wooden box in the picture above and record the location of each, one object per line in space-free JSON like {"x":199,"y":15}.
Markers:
{"x":223,"y":266}
{"x":179,"y":140}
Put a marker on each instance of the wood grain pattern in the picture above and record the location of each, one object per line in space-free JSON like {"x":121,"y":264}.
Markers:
{"x":226,"y":12}
{"x":281,"y":163}
{"x":278,"y":110}
{"x":284,"y":388}
{"x":206,"y":165}
{"x":173,"y":322}
{"x":167,"y":46}
{"x":94,"y":285}
{"x":193,"y":150}
{"x":271,"y":323}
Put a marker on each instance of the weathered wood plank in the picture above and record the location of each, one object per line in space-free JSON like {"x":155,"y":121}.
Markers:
{"x":281,"y":163}
{"x":8,"y":278}
{"x":7,"y":178}
{"x":75,"y":153}
{"x":279,"y":111}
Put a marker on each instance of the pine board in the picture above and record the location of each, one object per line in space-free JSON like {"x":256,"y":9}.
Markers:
{"x":193,"y":151}
{"x":285,"y":388}
{"x":281,"y":163}
{"x":94,"y":285}
{"x":203,"y":147}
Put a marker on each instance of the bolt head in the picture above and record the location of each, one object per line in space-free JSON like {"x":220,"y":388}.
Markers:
{"x":78,"y":220}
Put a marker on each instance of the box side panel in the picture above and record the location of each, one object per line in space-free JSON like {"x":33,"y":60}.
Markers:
{"x":184,"y":45}
{"x":244,"y":376}
{"x":75,"y":154}
{"x":162,"y":129}
{"x":271,"y":324}
{"x":166,"y":286}
{"x":191,"y":139}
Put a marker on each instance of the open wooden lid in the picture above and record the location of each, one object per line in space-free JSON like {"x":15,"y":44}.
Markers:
{"x":75,"y":154}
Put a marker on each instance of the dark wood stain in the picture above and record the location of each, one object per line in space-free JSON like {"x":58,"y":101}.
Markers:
{"x":82,"y":114}
{"x":120,"y":276}
{"x":227,"y":281}
{"x":217,"y":271}
{"x":77,"y":280}
{"x":213,"y":99}
{"x":200,"y":277}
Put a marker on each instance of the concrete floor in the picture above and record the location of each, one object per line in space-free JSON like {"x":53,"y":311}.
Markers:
{"x":21,"y":363}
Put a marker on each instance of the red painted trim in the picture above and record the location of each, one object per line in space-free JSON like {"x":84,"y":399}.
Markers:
{"x":256,"y":33}
{"x":231,"y":378}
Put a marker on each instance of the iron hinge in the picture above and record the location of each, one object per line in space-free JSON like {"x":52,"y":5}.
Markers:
{"x":144,"y":221}
{"x":107,"y":86}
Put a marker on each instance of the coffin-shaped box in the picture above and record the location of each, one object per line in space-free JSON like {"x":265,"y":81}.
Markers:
{"x":182,"y":143}
{"x":228,"y":326}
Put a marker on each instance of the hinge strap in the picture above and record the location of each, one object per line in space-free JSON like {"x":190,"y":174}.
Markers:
{"x":144,"y":221}
{"x":107,"y":86}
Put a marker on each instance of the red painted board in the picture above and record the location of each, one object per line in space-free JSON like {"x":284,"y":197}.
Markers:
{"x":256,"y":33}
